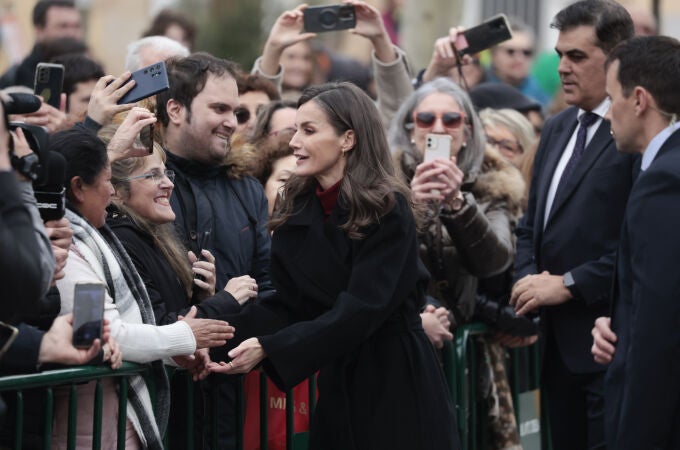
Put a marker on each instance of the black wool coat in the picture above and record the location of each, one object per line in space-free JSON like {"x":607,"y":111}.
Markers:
{"x":165,"y":290}
{"x":350,"y":310}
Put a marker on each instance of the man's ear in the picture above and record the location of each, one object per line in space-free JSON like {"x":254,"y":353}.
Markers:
{"x":77,"y":189}
{"x":348,"y":141}
{"x":176,"y":112}
{"x":642,"y":100}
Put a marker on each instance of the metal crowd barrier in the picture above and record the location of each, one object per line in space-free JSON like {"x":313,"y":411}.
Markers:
{"x":459,"y":362}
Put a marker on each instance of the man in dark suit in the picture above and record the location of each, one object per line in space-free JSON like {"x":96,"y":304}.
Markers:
{"x":569,"y":234}
{"x":642,"y":393}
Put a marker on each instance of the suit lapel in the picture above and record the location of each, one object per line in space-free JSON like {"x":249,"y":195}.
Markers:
{"x":592,"y":153}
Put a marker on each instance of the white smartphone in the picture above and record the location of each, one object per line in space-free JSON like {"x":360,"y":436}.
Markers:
{"x":437,"y":146}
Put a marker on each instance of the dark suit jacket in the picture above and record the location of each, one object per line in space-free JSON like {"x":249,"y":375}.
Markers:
{"x":642,"y":385}
{"x":581,"y":235}
{"x":351,"y":310}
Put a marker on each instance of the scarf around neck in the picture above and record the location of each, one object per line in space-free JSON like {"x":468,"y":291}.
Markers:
{"x":106,"y":255}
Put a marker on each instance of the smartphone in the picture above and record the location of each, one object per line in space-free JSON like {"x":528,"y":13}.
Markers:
{"x":149,"y":81}
{"x":49,"y":80}
{"x":437,"y":146}
{"x":202,"y":245}
{"x":485,"y":35}
{"x":8,"y":334}
{"x":88,"y":313}
{"x":318,"y":19}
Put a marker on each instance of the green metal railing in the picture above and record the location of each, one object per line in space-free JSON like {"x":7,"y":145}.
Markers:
{"x":460,"y":360}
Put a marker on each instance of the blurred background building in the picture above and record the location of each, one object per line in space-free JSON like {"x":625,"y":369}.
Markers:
{"x":236,"y":29}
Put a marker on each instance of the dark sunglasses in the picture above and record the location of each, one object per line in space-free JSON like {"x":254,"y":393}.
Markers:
{"x":524,"y":51}
{"x":426,"y":119}
{"x":242,"y":115}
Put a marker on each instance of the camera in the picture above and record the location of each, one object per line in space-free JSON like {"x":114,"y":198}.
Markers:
{"x":45,"y":169}
{"x":319,"y":19}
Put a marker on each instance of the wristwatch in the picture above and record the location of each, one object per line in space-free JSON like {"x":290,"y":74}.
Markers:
{"x":456,"y":203}
{"x":27,"y":165}
{"x":569,"y":283}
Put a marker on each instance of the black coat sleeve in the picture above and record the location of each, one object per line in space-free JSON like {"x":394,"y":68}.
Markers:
{"x":383,"y":274}
{"x":651,"y":397}
{"x":21,"y":269}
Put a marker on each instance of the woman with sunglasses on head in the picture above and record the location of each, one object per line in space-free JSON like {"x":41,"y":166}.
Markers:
{"x":473,"y":201}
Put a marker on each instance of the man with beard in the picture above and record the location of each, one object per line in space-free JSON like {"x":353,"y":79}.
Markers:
{"x":216,"y":207}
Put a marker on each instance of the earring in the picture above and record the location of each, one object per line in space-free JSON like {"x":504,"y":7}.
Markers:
{"x":463,"y":145}
{"x":413,"y":141}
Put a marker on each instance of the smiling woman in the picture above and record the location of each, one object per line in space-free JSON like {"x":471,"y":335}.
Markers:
{"x":349,"y":286}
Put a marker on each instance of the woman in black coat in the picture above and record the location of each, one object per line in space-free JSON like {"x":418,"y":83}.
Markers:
{"x":349,"y":289}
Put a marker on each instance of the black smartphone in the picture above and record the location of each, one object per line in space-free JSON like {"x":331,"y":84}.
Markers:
{"x":318,"y":19}
{"x":88,"y":313}
{"x":485,"y":35}
{"x":49,"y":80}
{"x":149,"y":81}
{"x":7,"y":335}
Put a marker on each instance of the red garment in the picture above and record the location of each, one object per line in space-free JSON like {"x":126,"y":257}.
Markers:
{"x":328,"y":198}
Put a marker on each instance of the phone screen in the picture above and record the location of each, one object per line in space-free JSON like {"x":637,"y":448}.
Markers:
{"x":88,"y":313}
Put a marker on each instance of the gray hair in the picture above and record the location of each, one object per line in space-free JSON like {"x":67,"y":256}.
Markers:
{"x":160,"y":44}
{"x":514,"y":121}
{"x":399,"y":133}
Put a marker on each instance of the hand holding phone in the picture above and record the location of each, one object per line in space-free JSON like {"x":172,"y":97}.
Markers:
{"x":88,"y":313}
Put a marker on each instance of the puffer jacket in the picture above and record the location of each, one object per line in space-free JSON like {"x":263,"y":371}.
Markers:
{"x":475,"y":242}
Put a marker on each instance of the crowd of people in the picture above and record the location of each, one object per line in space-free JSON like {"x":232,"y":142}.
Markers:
{"x":291,"y":219}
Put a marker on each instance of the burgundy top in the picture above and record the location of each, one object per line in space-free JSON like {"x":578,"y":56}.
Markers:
{"x":328,"y":198}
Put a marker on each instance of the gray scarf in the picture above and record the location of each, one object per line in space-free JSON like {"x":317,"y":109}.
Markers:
{"x":126,"y":288}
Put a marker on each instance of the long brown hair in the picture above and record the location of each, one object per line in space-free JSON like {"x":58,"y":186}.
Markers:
{"x":369,"y":183}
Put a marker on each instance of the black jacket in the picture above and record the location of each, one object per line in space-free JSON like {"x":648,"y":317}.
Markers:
{"x":642,"y":393}
{"x":349,"y":308}
{"x":23,"y":74}
{"x":581,"y":234}
{"x":165,"y":289}
{"x":235,"y":213}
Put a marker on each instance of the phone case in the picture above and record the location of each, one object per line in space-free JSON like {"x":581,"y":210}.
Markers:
{"x":49,"y":80}
{"x":149,"y":81}
{"x":486,"y":35}
{"x":88,"y":313}
{"x":437,"y":146}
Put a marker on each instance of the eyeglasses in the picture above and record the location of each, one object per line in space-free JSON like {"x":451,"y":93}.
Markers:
{"x":527,"y":52}
{"x":505,"y":144}
{"x":426,"y":119}
{"x":242,"y":115}
{"x":155,"y":175}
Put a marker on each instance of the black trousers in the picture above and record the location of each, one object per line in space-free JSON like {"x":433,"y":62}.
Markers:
{"x":575,"y":404}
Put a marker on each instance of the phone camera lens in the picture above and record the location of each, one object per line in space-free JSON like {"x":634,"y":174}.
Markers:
{"x":145,"y":72}
{"x":328,"y":18}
